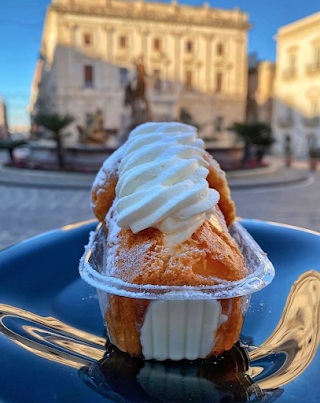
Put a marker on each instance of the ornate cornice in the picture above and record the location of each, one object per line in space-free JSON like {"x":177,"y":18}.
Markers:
{"x":136,"y":13}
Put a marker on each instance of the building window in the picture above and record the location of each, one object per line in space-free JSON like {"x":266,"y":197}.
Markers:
{"x":219,"y":82}
{"x":157,"y":44}
{"x":292,"y":58}
{"x":189,"y":46}
{"x":88,"y":76}
{"x":220,"y":49}
{"x":87,"y":39}
{"x":189,"y":80}
{"x":157,"y":80}
{"x":219,"y":124}
{"x":123,"y":42}
{"x":123,"y":76}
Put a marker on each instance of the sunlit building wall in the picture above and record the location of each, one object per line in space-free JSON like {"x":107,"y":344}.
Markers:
{"x":297,"y":86}
{"x":195,"y":58}
{"x":260,"y":91}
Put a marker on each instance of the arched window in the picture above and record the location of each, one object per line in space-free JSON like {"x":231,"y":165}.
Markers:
{"x":220,"y":49}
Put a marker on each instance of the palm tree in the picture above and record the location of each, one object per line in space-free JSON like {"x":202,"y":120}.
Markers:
{"x":253,"y":133}
{"x":10,"y":145}
{"x":55,"y":123}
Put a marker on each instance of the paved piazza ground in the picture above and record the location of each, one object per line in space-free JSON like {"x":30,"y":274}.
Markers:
{"x":28,"y":212}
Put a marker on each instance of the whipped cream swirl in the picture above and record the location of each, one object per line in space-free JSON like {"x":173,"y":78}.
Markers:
{"x":162,"y":181}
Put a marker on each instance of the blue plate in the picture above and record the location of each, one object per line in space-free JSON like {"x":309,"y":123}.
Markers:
{"x":52,"y":340}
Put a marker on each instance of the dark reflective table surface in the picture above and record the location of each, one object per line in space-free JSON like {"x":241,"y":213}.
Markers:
{"x":53,"y":346}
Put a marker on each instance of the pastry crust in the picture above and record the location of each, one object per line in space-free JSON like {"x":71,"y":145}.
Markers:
{"x":217,"y":180}
{"x":148,"y":258}
{"x":145,"y":258}
{"x":104,"y":187}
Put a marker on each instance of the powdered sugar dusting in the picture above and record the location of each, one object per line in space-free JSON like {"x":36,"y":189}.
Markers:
{"x":110,"y":165}
{"x":260,"y":274}
{"x":90,"y":245}
{"x":112,"y":239}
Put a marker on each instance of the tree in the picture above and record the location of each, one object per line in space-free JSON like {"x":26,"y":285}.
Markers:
{"x":10,"y":145}
{"x":55,"y":123}
{"x":258,"y":134}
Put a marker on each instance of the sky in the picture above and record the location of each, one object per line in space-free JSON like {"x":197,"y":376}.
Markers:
{"x":21,"y":23}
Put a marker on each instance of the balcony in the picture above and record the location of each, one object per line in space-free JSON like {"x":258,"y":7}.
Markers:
{"x":285,"y":122}
{"x":289,"y":74}
{"x":311,"y":122}
{"x":313,"y":69}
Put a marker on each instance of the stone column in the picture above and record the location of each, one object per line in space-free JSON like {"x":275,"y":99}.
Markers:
{"x":69,"y":48}
{"x":67,"y":81}
{"x":102,"y":47}
{"x":144,"y":41}
{"x":177,"y":57}
{"x":240,"y":66}
{"x":227,"y":85}
{"x":145,"y":48}
{"x":110,"y":38}
{"x":209,"y":59}
{"x":109,"y":73}
{"x":167,"y":81}
{"x":104,"y":42}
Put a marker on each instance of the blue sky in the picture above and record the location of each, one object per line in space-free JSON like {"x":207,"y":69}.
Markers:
{"x":21,"y":24}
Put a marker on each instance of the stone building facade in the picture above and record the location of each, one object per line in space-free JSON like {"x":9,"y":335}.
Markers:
{"x":260,"y":91}
{"x":297,"y":86}
{"x":195,"y":58}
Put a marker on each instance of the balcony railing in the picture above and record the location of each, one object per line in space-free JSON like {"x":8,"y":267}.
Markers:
{"x":313,"y":69}
{"x":285,"y":122}
{"x":289,"y":74}
{"x":311,"y":122}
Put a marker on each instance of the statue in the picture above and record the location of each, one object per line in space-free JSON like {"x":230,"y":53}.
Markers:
{"x":94,"y":131}
{"x":135,"y":98}
{"x":98,"y":132}
{"x":140,"y":90}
